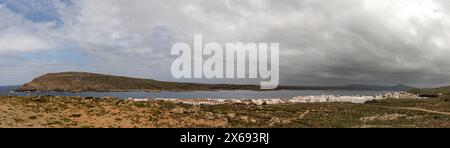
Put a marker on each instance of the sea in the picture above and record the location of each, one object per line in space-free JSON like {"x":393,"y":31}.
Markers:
{"x":236,"y":94}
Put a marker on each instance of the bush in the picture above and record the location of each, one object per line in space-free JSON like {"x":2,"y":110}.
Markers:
{"x":139,"y":104}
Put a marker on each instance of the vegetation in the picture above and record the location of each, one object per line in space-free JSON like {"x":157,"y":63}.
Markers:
{"x":75,"y":112}
{"x":432,"y":91}
{"x":80,"y":81}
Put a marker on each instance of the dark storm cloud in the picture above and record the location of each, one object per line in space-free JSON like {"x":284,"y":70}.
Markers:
{"x":323,"y":42}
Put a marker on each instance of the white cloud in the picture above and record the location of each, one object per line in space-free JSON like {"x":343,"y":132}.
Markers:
{"x":21,"y":43}
{"x":367,"y":40}
{"x":322,"y":41}
{"x":21,"y":35}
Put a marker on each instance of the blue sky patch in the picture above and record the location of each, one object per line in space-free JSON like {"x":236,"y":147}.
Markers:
{"x":65,"y":56}
{"x":35,"y":10}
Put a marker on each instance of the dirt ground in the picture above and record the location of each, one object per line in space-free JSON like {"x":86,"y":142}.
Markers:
{"x":76,"y":112}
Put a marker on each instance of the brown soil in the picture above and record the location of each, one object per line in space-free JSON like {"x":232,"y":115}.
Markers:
{"x":76,"y":112}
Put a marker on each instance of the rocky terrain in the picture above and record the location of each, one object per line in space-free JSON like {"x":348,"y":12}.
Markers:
{"x":445,"y":91}
{"x":76,"y":112}
{"x":82,"y":81}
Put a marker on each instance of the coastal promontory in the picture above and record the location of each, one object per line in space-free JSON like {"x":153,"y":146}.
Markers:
{"x":83,"y":81}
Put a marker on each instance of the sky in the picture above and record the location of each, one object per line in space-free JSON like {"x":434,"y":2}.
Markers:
{"x":322,"y":42}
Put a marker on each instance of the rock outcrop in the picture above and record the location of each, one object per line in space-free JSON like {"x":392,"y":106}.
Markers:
{"x":81,"y":81}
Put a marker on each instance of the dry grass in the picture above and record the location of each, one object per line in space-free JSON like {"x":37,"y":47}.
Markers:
{"x":74,"y":112}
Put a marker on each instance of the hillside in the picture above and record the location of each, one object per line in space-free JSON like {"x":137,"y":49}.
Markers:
{"x":432,"y":91}
{"x":79,"y":112}
{"x":81,"y":81}
{"x":350,"y":87}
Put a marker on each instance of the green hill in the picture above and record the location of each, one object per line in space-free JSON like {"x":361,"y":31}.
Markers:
{"x":82,"y":81}
{"x":432,"y":91}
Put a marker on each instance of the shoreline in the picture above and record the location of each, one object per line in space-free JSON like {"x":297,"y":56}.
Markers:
{"x":356,"y":99}
{"x":215,"y":90}
{"x":260,"y":100}
{"x":353,"y":96}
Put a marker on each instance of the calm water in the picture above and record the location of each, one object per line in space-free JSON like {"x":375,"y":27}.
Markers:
{"x":239,"y":94}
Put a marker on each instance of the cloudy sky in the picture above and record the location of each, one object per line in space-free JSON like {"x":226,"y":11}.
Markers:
{"x":322,"y":42}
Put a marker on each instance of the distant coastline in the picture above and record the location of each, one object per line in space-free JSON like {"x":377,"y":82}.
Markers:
{"x":91,"y":82}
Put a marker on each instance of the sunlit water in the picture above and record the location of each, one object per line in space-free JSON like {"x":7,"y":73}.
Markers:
{"x":238,"y":94}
